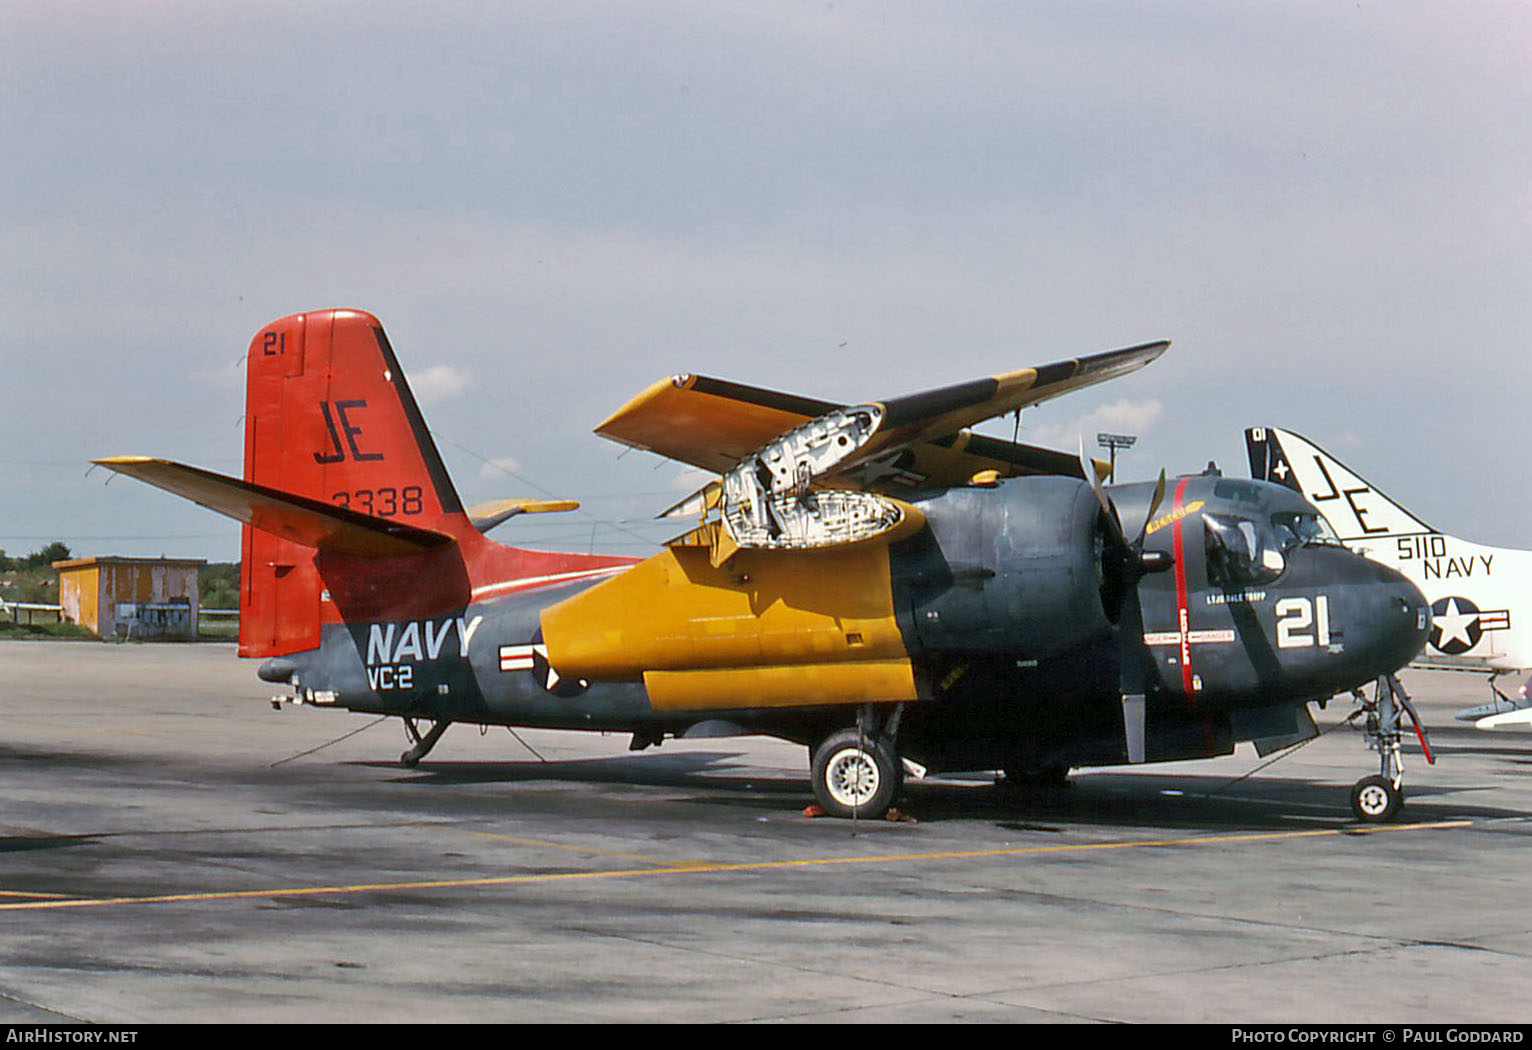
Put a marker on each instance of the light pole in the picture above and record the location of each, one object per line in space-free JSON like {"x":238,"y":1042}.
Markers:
{"x":1113,"y":442}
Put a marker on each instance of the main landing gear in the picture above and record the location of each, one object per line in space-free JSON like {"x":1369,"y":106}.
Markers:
{"x":857,"y":772}
{"x":423,"y":744}
{"x":1376,"y":799}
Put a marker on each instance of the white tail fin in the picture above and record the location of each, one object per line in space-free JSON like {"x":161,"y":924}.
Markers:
{"x":1354,"y":509}
{"x":1480,"y":619}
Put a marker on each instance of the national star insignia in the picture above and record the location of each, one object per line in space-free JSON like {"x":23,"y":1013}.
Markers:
{"x":1455,"y":625}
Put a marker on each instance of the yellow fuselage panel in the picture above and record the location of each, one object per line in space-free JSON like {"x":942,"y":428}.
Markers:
{"x":677,"y":612}
{"x":793,"y":685}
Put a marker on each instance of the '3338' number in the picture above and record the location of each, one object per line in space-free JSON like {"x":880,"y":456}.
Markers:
{"x":384,"y":502}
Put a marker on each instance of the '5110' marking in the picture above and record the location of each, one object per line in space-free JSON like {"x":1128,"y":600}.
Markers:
{"x":1436,"y":563}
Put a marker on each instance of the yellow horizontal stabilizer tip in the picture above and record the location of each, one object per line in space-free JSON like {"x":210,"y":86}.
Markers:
{"x":486,"y":516}
{"x":521,"y":506}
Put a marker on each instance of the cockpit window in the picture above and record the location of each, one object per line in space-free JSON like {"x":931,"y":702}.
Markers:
{"x":1233,"y":488}
{"x":1303,"y":529}
{"x":1242,"y":552}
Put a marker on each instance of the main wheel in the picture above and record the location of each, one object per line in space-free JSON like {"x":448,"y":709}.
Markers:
{"x":1375,"y":799}
{"x":855,"y":776}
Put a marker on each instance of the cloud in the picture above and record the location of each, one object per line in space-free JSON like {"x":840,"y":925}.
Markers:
{"x":499,"y":468}
{"x":438,"y":383}
{"x":1123,"y":416}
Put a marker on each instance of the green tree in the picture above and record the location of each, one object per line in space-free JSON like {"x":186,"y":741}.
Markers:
{"x":53,"y":552}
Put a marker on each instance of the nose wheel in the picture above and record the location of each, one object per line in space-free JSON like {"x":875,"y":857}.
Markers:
{"x":1377,"y":799}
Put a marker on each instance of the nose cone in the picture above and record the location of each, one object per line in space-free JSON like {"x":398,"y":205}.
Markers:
{"x":1417,"y":614}
{"x":1346,"y":621}
{"x":1392,"y":616}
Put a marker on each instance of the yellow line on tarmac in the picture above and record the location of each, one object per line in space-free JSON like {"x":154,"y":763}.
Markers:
{"x":548,"y":844}
{"x":701,"y":868}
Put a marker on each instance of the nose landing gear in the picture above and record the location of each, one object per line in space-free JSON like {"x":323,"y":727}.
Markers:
{"x":1377,"y":799}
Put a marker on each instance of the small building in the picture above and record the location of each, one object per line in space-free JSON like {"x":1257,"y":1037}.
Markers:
{"x":149,"y":598}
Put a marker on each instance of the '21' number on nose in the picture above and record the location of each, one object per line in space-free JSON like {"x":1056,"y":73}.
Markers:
{"x":1301,"y":622}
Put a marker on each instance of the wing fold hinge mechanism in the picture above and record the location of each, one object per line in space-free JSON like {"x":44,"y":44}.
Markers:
{"x":775,"y":498}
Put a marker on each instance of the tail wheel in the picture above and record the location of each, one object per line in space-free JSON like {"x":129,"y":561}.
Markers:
{"x":855,"y":776}
{"x":1376,"y":799}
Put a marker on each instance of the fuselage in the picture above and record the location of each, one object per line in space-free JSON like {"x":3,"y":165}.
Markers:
{"x":998,"y":626}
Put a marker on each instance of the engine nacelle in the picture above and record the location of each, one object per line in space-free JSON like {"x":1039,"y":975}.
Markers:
{"x":1015,"y":569}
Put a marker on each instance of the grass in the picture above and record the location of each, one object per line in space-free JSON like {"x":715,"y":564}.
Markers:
{"x":42,"y":630}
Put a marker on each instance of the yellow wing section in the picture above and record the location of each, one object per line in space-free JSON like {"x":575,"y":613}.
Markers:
{"x":708,"y":423}
{"x":922,"y":441}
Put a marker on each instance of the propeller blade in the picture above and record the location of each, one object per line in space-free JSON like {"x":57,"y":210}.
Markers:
{"x":1107,"y":508}
{"x":1134,"y":675}
{"x":1133,"y":726}
{"x":1132,"y":658}
{"x":1154,"y":505}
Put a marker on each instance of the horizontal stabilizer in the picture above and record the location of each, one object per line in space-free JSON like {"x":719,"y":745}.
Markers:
{"x":485,"y":516}
{"x":297,"y":518}
{"x":1498,"y":706}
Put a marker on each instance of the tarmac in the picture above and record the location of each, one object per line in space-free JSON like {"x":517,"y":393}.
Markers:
{"x":174,"y":850}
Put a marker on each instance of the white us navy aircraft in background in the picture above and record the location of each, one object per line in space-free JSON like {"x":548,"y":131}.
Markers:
{"x":1481,"y":615}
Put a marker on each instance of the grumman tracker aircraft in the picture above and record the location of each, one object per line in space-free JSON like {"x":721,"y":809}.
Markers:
{"x":871,"y":580}
{"x":1478,"y":594}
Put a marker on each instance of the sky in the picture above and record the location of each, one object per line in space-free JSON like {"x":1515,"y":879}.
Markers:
{"x":1324,"y":206}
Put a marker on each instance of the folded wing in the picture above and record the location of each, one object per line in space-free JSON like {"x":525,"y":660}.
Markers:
{"x":799,"y":473}
{"x":920,"y":441}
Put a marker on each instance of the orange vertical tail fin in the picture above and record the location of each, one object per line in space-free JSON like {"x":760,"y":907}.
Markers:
{"x":329,"y":417}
